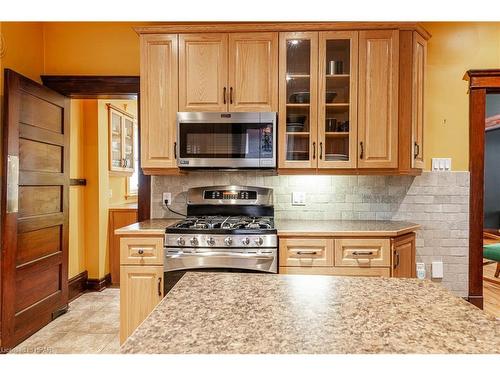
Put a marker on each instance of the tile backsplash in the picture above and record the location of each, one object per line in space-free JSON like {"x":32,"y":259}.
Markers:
{"x":439,"y":201}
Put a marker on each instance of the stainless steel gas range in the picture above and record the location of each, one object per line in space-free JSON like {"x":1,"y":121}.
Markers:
{"x":227,"y":228}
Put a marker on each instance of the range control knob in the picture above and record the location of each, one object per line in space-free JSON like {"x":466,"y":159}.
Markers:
{"x":259,"y":241}
{"x":245,"y":241}
{"x":210,"y":241}
{"x":180,"y":241}
{"x":228,"y":241}
{"x":194,"y":241}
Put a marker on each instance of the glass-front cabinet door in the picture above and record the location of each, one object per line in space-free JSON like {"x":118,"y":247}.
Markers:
{"x":337,"y":119}
{"x":298,"y":100}
{"x":121,"y":141}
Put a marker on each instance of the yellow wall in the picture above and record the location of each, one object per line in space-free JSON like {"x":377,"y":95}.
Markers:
{"x":453,"y":49}
{"x":77,"y":258}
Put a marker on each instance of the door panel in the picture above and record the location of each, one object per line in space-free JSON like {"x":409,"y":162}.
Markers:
{"x":203,"y":72}
{"x":378,"y":99}
{"x":253,"y":72}
{"x":419,"y":61}
{"x":35,"y":222}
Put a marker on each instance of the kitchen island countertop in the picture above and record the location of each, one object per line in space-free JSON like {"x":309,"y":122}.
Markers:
{"x":260,"y":313}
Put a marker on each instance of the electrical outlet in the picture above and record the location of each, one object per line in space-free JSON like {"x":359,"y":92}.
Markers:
{"x":437,"y":270}
{"x":421,"y":271}
{"x":167,"y":197}
{"x":441,"y":164}
{"x":298,"y":198}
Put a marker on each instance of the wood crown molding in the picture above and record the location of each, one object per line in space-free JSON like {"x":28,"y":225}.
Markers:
{"x":483,"y":78}
{"x":211,"y":27}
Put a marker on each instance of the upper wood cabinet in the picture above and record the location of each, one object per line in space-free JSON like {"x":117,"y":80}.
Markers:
{"x":121,"y":141}
{"x":298,"y":77}
{"x":228,"y":72}
{"x":418,"y":82}
{"x":338,"y":99}
{"x":203,"y":72}
{"x":253,"y":72}
{"x":378,"y":99}
{"x":159,"y":104}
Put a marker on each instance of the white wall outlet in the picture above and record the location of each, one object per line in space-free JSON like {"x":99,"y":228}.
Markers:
{"x":298,"y":198}
{"x":437,"y":270}
{"x":167,"y":197}
{"x":421,"y":271}
{"x":441,"y":164}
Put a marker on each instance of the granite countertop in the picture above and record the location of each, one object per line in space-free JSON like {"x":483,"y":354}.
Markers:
{"x":262,"y":313}
{"x":153,"y":226}
{"x":344,"y":227}
{"x":298,"y":227}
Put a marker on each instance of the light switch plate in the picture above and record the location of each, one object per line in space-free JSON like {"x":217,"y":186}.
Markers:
{"x":298,"y":198}
{"x":420,"y":271}
{"x":441,"y":164}
{"x":437,"y":270}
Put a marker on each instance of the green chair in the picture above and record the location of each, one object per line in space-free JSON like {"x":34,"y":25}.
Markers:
{"x":492,"y":252}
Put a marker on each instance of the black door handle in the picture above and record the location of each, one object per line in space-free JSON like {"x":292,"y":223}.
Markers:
{"x":224,"y":94}
{"x":159,"y":286}
{"x":362,"y":150}
{"x":314,"y":150}
{"x":321,"y":150}
{"x":230,"y":95}
{"x":175,"y":150}
{"x":416,"y":150}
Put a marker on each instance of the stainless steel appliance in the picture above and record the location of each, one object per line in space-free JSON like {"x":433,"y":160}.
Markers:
{"x":227,"y":228}
{"x":226,"y":139}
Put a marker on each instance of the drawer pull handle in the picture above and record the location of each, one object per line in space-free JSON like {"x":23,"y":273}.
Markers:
{"x":307,"y":252}
{"x":359,"y":253}
{"x":140,"y":251}
{"x":159,"y":286}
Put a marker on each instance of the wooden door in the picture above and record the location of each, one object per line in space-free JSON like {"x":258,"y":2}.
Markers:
{"x":253,"y":72}
{"x":35,"y":191}
{"x":378,"y":99}
{"x":141,"y":289}
{"x":159,"y":101}
{"x":118,"y":218}
{"x":203,"y":72}
{"x":338,"y":99}
{"x":403,"y":256}
{"x":419,"y":61}
{"x":298,"y":76}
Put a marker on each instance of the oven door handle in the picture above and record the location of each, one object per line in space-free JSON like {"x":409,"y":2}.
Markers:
{"x":262,"y":255}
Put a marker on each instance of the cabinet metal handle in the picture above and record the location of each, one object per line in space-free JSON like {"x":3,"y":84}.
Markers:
{"x":175,"y":150}
{"x":362,"y":153}
{"x":396,"y":262}
{"x":140,"y":251}
{"x":224,"y":94}
{"x":314,"y":150}
{"x":357,"y":253}
{"x":307,"y":252}
{"x":230,"y":95}
{"x":416,"y":150}
{"x":321,"y":150}
{"x":159,"y":286}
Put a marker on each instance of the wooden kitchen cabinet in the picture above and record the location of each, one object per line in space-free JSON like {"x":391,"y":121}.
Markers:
{"x":141,"y":280}
{"x":253,"y":72}
{"x":403,"y":256}
{"x":203,"y":72}
{"x":159,"y":100}
{"x":378,"y":99}
{"x":228,"y":72}
{"x":418,"y":83}
{"x":141,"y":290}
{"x":348,"y":256}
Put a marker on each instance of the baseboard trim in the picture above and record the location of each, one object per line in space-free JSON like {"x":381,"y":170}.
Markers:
{"x":476,"y":301}
{"x":98,"y":285}
{"x":77,"y":285}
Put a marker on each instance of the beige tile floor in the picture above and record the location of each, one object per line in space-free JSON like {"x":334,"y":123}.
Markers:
{"x":90,"y":326}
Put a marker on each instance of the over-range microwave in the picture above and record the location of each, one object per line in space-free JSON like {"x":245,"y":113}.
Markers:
{"x":226,"y":140}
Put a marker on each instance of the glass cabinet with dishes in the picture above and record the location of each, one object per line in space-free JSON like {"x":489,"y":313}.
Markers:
{"x":121,"y":140}
{"x":337,"y":121}
{"x":298,"y":100}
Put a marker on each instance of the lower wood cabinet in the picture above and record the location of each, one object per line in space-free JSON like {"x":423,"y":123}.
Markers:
{"x":118,"y":218}
{"x":141,"y":282}
{"x":382,"y":256}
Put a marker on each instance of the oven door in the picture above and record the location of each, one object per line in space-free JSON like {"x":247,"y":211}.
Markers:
{"x":239,"y":140}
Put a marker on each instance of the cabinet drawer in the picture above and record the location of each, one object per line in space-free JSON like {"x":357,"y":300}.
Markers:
{"x":307,"y":252}
{"x":363,"y":252}
{"x":144,"y":250}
